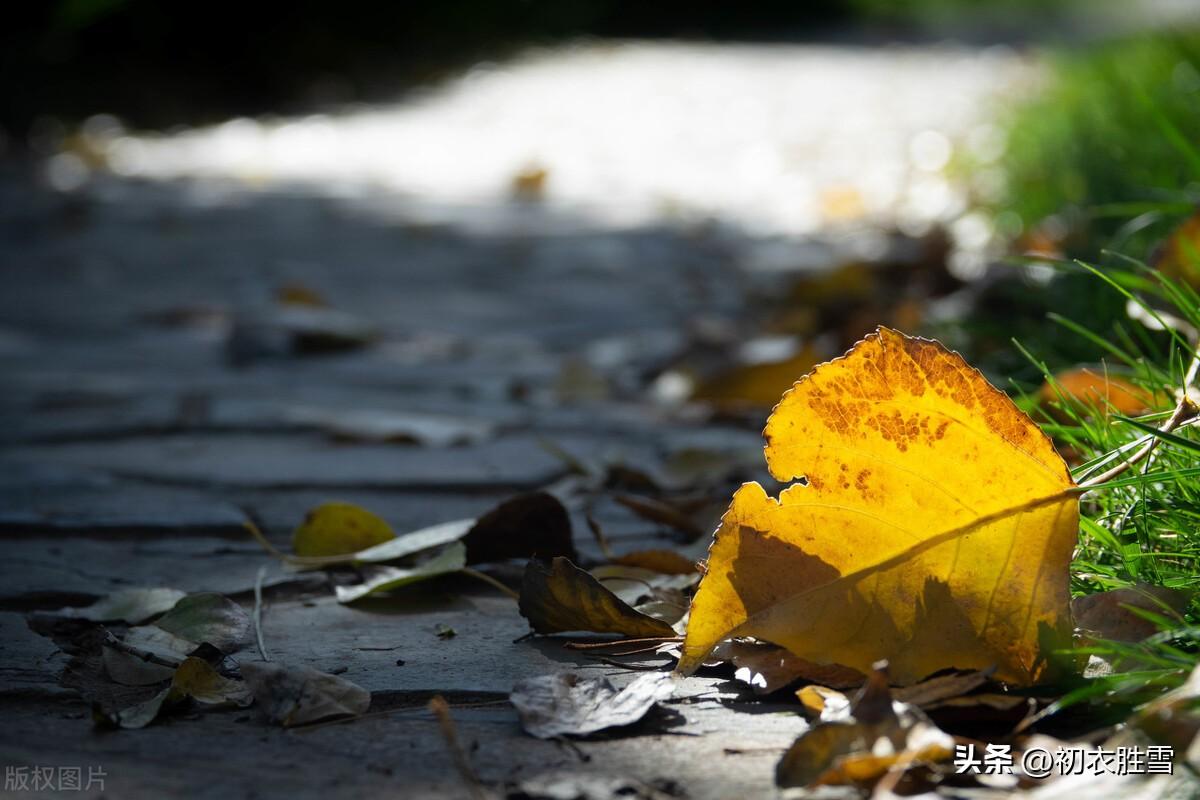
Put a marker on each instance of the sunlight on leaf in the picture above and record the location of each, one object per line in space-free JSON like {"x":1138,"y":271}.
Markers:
{"x":934,"y":528}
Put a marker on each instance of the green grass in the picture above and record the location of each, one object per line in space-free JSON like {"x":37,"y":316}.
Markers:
{"x":1110,"y":150}
{"x":1142,"y":527}
{"x":1107,"y":149}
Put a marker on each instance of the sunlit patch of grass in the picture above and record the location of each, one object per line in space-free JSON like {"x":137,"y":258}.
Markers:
{"x":1143,"y":527}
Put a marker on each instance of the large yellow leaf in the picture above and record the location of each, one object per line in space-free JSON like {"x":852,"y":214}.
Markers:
{"x":934,"y":527}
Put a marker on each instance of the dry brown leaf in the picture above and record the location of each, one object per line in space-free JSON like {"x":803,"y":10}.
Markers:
{"x":534,"y":524}
{"x":934,"y":526}
{"x":567,"y":704}
{"x":877,"y":736}
{"x":558,"y":596}
{"x":383,"y":579}
{"x":297,"y":695}
{"x":1108,"y":615}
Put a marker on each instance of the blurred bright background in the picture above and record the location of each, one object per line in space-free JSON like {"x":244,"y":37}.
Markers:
{"x":781,"y":119}
{"x":819,"y":134}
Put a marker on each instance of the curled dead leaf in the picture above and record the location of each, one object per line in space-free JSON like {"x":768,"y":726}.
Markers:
{"x":557,"y":597}
{"x":571,"y":705}
{"x":385,"y":579}
{"x":530,"y":525}
{"x":297,"y":695}
{"x":878,"y":735}
{"x":127,"y":605}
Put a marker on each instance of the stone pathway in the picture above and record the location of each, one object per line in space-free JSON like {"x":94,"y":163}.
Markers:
{"x":158,"y":395}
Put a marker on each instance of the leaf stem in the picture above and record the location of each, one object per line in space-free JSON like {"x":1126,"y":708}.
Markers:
{"x":488,"y":579}
{"x":258,"y":613}
{"x":145,"y":655}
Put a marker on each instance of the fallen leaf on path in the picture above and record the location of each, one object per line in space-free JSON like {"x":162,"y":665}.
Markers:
{"x":934,"y":526}
{"x":157,"y":642}
{"x":823,"y":703}
{"x":194,"y":679}
{"x":297,"y":695}
{"x":534,"y":524}
{"x":879,"y":735}
{"x":138,"y":715}
{"x":386,"y":579}
{"x":567,"y":704}
{"x":209,"y":617}
{"x":334,"y":529}
{"x":415,"y":542}
{"x":296,"y":330}
{"x":1110,"y":615}
{"x":130,"y":670}
{"x":199,"y":680}
{"x":127,"y":605}
{"x":558,"y":596}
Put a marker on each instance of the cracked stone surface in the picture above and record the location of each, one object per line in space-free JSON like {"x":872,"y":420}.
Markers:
{"x":156,"y":399}
{"x":134,"y":450}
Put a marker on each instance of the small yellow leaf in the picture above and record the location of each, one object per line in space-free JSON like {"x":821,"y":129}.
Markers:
{"x":558,"y":596}
{"x":332,"y":529}
{"x":934,"y":526}
{"x":755,"y":385}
